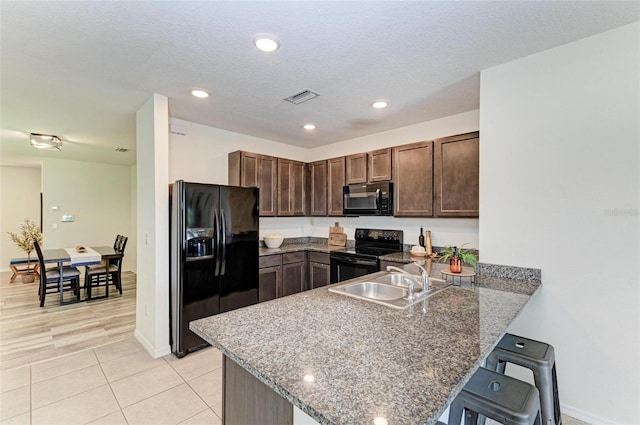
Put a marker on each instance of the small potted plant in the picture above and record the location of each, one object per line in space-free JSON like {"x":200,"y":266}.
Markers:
{"x":24,"y":240}
{"x":452,"y":253}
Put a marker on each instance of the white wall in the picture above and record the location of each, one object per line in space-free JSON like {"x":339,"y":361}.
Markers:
{"x":201,"y":156}
{"x":20,"y":189}
{"x":98,"y":197}
{"x":559,"y":189}
{"x":152,"y":211}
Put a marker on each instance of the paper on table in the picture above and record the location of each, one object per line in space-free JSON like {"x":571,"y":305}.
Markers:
{"x":80,"y":258}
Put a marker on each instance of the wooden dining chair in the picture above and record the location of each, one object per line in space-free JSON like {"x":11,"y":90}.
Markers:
{"x":108,"y":274}
{"x":50,"y":278}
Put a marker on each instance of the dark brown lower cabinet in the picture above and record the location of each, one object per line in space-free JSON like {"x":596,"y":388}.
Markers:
{"x":246,"y":400}
{"x":268,"y":283}
{"x":294,"y":277}
{"x":269,"y":277}
{"x":319,"y":269}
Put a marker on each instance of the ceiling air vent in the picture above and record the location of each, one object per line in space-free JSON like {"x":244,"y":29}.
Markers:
{"x":122,"y":150}
{"x":302,"y":96}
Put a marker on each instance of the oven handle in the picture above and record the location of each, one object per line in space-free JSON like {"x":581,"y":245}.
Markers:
{"x":356,"y":261}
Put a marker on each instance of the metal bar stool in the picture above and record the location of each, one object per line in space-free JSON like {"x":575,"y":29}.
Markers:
{"x":540,"y":359}
{"x":496,"y":396}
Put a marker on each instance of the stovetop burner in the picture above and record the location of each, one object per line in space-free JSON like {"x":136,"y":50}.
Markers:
{"x":372,"y":243}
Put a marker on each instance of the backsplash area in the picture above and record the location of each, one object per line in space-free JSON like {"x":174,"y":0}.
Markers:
{"x":450,"y":231}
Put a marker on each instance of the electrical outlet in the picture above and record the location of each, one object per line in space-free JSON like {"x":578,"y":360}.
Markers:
{"x":146,"y":310}
{"x":54,"y":226}
{"x":146,"y":239}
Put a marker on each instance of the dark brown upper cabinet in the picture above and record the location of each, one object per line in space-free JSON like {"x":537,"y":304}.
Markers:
{"x":318,"y":188}
{"x":248,"y":169}
{"x":380,"y":165}
{"x":456,"y":176}
{"x":413,"y":180}
{"x":291,"y":187}
{"x":336,"y":172}
{"x":356,"y":168}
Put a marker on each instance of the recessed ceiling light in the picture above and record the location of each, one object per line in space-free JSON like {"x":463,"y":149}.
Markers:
{"x":45,"y":141}
{"x":309,"y":126}
{"x":200,"y":93}
{"x":309,"y":378}
{"x":379,"y":104}
{"x":266,"y":42}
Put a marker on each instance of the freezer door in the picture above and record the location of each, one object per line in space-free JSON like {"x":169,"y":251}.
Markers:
{"x":239,"y":247}
{"x":195,"y":290}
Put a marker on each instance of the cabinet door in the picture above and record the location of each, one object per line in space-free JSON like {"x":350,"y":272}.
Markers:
{"x":269,"y":282}
{"x":318,"y":188}
{"x":267,"y":182}
{"x":291,"y":180}
{"x":456,"y":176}
{"x":413,"y":180}
{"x":336,"y":181}
{"x":248,"y":169}
{"x":297,"y":186}
{"x":380,"y":165}
{"x":356,"y":168}
{"x":284,"y":190}
{"x":293,"y":278}
{"x":243,"y":169}
{"x":319,"y":275}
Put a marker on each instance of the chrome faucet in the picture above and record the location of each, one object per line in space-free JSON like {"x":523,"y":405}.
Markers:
{"x":410,"y":288}
{"x":425,"y":276}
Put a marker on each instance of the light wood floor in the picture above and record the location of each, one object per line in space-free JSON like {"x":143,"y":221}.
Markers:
{"x":30,"y":333}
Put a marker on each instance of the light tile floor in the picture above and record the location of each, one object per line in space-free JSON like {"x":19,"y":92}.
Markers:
{"x":120,"y":384}
{"x":115,"y":384}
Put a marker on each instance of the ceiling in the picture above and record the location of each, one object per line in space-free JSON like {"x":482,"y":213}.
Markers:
{"x":81,"y":70}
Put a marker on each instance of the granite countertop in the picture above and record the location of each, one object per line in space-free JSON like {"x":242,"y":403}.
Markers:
{"x":369,"y":360}
{"x":295,"y":247}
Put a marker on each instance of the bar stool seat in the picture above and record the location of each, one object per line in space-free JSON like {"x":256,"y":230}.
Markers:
{"x":500,"y":397}
{"x":537,"y":356}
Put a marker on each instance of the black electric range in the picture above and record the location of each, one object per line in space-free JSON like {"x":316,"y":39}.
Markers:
{"x":363,"y":259}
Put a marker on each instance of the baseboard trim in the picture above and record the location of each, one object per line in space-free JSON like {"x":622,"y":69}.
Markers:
{"x":153,"y":351}
{"x":585,"y":416}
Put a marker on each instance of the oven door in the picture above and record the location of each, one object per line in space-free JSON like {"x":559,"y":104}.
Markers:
{"x":346,"y":266}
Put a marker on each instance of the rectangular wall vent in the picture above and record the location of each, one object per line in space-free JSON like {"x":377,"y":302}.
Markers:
{"x":302,"y":96}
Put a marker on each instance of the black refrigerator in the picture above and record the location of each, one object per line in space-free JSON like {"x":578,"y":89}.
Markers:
{"x":214,"y":255}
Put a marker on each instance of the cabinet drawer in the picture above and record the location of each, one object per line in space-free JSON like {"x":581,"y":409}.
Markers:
{"x":270,"y":261}
{"x":293,"y":257}
{"x":319,"y":257}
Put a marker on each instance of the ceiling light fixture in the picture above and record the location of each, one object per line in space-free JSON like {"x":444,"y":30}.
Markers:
{"x":379,"y":104}
{"x":200,"y":93}
{"x":266,"y":42}
{"x":45,"y":141}
{"x":309,"y":126}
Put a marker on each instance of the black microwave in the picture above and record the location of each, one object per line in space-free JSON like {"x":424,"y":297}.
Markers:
{"x":368,"y":199}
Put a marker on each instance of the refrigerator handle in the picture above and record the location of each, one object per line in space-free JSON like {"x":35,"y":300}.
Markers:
{"x":223,"y":243}
{"x":216,"y":250}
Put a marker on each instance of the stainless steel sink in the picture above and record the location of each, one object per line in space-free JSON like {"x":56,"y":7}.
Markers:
{"x":397,"y":279}
{"x":389,"y":290}
{"x":376,"y":291}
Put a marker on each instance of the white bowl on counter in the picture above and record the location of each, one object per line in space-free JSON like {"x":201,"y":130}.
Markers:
{"x":273,"y":241}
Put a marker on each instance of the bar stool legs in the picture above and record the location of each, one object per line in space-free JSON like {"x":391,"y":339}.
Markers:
{"x":540,"y":359}
{"x":496,"y":396}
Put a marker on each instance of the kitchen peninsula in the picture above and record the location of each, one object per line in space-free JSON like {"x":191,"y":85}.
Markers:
{"x":347,"y":361}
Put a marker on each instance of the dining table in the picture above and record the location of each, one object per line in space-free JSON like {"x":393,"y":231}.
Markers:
{"x":74,"y":257}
